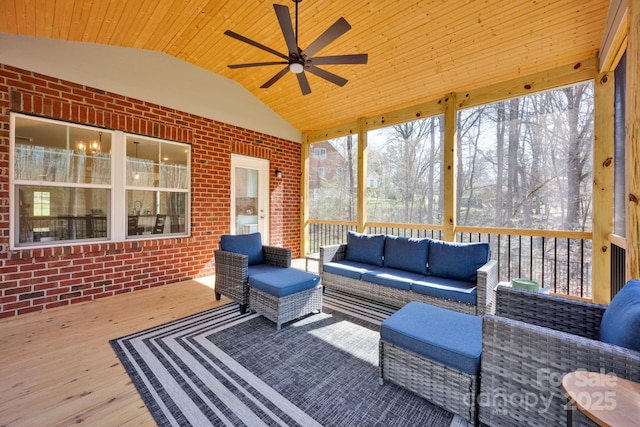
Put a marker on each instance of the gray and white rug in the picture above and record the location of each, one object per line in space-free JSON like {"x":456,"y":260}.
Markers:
{"x":222,"y":368}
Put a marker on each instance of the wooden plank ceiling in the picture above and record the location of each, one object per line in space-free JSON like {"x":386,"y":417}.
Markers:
{"x":418,"y":50}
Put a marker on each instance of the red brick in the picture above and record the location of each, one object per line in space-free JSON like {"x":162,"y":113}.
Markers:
{"x":129,"y":266}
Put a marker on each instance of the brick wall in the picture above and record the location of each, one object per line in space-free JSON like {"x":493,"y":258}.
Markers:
{"x":36,"y":279}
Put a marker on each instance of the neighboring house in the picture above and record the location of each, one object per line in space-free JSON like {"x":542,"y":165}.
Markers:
{"x":373,"y":180}
{"x":326,"y":164}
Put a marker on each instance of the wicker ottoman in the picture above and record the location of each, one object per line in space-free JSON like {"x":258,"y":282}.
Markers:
{"x":285,"y":294}
{"x":435,"y":353}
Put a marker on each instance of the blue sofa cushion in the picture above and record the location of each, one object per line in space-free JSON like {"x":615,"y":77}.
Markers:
{"x":441,"y":287}
{"x":391,"y":277}
{"x":245,"y":244}
{"x":351,"y":269}
{"x":621,"y":320}
{"x":459,"y":261}
{"x":285,"y":281}
{"x":446,"y":336}
{"x":406,"y":253}
{"x":365,"y":248}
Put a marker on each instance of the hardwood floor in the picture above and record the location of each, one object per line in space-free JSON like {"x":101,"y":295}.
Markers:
{"x":57,"y":367}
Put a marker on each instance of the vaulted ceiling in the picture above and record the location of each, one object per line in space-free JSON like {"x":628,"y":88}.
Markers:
{"x":418,"y":50}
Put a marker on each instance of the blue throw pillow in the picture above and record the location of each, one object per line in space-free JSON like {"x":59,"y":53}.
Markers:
{"x":407,"y":254}
{"x":621,"y":320}
{"x":365,"y":248}
{"x":459,"y":261}
{"x":246,"y":244}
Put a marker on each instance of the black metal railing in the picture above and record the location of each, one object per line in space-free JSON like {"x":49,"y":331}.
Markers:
{"x":561,"y":264}
{"x":618,"y":273}
{"x":326,"y":234}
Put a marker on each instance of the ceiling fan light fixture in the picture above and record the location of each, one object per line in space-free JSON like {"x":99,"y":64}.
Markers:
{"x":298,"y":60}
{"x":296,"y":68}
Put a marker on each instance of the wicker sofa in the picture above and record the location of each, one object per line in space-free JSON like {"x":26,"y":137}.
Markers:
{"x":535,"y":339}
{"x":396,"y":270}
{"x":240,"y":257}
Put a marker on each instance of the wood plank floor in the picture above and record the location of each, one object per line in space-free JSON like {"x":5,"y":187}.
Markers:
{"x":57,"y":367}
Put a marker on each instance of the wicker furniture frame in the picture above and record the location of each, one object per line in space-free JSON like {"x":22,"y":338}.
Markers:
{"x":529,"y":345}
{"x":441,"y":385}
{"x":487,"y":279}
{"x":232,"y":272}
{"x":284,"y":309}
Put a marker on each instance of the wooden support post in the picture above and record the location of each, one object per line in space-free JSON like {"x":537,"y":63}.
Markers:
{"x":632,"y":141}
{"x":449,"y":167}
{"x":603,"y":186}
{"x":304,"y":197}
{"x":362,"y":174}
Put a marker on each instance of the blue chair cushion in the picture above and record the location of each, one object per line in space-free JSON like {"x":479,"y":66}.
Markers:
{"x":449,"y":337}
{"x":353,"y":270}
{"x":365,"y":248}
{"x":245,"y":244}
{"x":441,"y":287}
{"x":284,"y":282}
{"x":406,"y":253}
{"x":621,"y":320}
{"x":459,"y":261}
{"x":391,"y":278}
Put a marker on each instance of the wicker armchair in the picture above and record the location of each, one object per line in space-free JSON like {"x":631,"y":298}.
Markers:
{"x":232,"y":272}
{"x":529,"y":345}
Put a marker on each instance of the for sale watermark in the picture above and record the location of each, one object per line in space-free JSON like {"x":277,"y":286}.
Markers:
{"x":546,"y":390}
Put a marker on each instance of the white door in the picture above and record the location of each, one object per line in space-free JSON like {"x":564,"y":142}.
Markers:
{"x":250,"y":196}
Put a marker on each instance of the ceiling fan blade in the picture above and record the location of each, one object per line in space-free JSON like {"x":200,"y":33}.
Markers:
{"x":275,"y":78}
{"x":339,"y":59}
{"x":256,"y":64}
{"x":333,"y":78}
{"x":338,"y":28}
{"x":304,"y":84}
{"x":284,"y":18}
{"x":255,"y":44}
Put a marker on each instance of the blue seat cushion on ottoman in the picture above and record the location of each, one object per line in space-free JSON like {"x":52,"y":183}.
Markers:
{"x":449,"y":337}
{"x":263,"y":268}
{"x":285,"y":281}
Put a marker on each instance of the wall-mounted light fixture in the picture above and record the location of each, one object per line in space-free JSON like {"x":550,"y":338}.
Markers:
{"x":278,"y":173}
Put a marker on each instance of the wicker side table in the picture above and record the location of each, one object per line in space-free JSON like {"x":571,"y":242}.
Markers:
{"x":311,"y":257}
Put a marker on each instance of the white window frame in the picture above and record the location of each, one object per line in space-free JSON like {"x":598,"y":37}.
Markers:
{"x":320,"y":153}
{"x":117,"y":215}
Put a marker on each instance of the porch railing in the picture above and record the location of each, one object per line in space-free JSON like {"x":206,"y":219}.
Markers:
{"x":558,"y":260}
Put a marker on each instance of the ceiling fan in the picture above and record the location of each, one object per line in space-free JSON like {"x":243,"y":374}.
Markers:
{"x":298,"y":60}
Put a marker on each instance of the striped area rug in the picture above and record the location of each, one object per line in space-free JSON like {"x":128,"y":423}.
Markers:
{"x":222,"y":368}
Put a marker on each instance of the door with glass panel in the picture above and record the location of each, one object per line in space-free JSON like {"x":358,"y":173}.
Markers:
{"x":250,"y":196}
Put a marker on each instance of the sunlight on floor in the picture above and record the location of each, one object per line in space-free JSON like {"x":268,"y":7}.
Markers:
{"x":347,"y":337}
{"x":208,"y":281}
